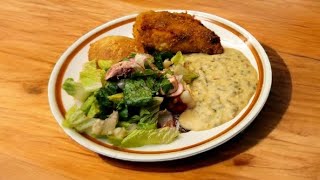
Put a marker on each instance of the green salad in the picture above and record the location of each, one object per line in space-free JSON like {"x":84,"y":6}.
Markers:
{"x":132,"y":103}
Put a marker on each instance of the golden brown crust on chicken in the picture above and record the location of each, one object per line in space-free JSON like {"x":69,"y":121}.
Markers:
{"x":114,"y":48}
{"x":164,"y":31}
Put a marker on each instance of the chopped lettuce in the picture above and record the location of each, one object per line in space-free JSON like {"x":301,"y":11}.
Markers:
{"x":104,"y":64}
{"x":136,"y":93}
{"x":87,"y":104}
{"x":178,"y":58}
{"x":110,"y":88}
{"x":116,"y":98}
{"x":76,"y":118}
{"x":159,"y":57}
{"x":134,"y":119}
{"x":147,"y":72}
{"x":187,"y":75}
{"x":90,"y":81}
{"x":105,"y":127}
{"x":126,"y":112}
{"x":114,"y":140}
{"x":94,"y":109}
{"x":153,"y":84}
{"x":152,"y":108}
{"x":148,"y":125}
{"x":91,"y":77}
{"x":75,"y":89}
{"x":86,"y":125}
{"x":91,"y":107}
{"x":148,"y":117}
{"x":118,"y":134}
{"x":123,"y":110}
{"x":124,"y":124}
{"x":179,"y":69}
{"x":141,"y":137}
{"x":105,"y":104}
{"x":128,"y":126}
{"x":166,"y":85}
{"x":68,"y":115}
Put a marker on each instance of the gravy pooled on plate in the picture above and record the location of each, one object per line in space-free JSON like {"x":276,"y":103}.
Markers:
{"x":224,"y":87}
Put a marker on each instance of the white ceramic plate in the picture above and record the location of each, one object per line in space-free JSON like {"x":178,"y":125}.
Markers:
{"x":188,"y":144}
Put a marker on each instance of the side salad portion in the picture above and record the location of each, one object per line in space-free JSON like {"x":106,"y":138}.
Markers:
{"x":132,"y":103}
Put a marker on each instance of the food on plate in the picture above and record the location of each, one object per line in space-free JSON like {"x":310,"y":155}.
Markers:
{"x":165,"y":31}
{"x":114,"y":48}
{"x":133,"y":99}
{"x":224,"y":87}
{"x":133,"y":102}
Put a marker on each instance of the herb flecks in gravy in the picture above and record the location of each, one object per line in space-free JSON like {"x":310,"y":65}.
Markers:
{"x":225,"y":85}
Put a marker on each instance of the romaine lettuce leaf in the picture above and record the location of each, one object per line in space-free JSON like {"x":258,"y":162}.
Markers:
{"x":105,"y":127}
{"x":159,"y":57}
{"x":116,"y":98}
{"x":141,"y":137}
{"x":123,"y":110}
{"x":178,"y":58}
{"x":134,"y":119}
{"x":105,"y":104}
{"x":147,"y":125}
{"x":104,"y":64}
{"x":68,"y":114}
{"x":90,"y":81}
{"x":91,"y":77}
{"x":94,"y":109}
{"x":187,"y":75}
{"x":75,"y":89}
{"x":153,"y":84}
{"x":90,"y":107}
{"x":86,"y":125}
{"x":87,"y":104}
{"x":136,"y":93}
{"x":145,"y":73}
{"x":148,"y":117}
{"x":76,"y":118}
{"x":165,"y":85}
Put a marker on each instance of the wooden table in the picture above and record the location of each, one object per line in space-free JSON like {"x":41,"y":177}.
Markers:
{"x":282,"y":143}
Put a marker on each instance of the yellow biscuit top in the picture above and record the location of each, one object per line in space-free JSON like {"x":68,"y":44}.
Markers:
{"x":114,"y":48}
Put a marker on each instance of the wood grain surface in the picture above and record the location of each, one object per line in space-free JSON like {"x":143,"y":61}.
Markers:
{"x":282,"y":143}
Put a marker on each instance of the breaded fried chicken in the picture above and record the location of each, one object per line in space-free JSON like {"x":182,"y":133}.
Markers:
{"x":165,"y":31}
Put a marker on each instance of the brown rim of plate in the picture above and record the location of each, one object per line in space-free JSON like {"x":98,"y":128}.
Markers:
{"x":58,"y":86}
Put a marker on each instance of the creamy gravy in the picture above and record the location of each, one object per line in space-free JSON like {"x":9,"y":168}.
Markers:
{"x":224,"y":87}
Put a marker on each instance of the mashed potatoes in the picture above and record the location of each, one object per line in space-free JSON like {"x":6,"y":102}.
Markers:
{"x":225,"y":85}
